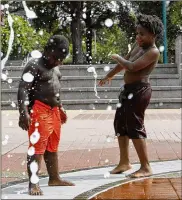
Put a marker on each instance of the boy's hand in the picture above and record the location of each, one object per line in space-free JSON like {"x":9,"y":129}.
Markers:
{"x":104,"y":80}
{"x":63,"y":116}
{"x":24,"y":121}
{"x":115,"y":57}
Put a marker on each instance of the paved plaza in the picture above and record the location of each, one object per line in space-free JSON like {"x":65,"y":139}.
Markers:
{"x":88,"y":151}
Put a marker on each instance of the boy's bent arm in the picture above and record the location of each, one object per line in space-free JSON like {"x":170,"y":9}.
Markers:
{"x":142,"y":62}
{"x":119,"y":67}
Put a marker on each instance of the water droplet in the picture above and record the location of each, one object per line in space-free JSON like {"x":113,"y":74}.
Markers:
{"x":7,"y":170}
{"x":6,"y":6}
{"x":1,"y":7}
{"x":41,"y":32}
{"x":28,"y":77}
{"x":23,"y":162}
{"x":109,"y":108}
{"x":31,"y":151}
{"x":36,"y":124}
{"x":106,"y":68}
{"x":107,"y":175}
{"x":34,"y":167}
{"x":10,"y":123}
{"x":29,"y":13}
{"x":7,"y":137}
{"x":34,"y":179}
{"x":108,"y":139}
{"x":106,"y":161}
{"x":26,"y":103}
{"x":36,"y":54}
{"x":5,"y":142}
{"x":57,"y":95}
{"x":91,"y":106}
{"x":34,"y":138}
{"x":8,"y":155}
{"x":130,"y":96}
{"x":161,"y":48}
{"x":108,"y":22}
{"x":3,"y":76}
{"x":160,"y":104}
{"x":10,"y":80}
{"x":13,"y":104}
{"x":91,"y":69}
{"x":118,"y":105}
{"x":89,"y":150}
{"x":84,"y":16}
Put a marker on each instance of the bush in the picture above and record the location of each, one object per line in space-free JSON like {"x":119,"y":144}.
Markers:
{"x":109,"y":41}
{"x":26,"y":38}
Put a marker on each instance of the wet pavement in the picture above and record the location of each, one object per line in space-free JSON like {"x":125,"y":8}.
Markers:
{"x":89,"y":182}
{"x":150,"y":188}
{"x":87,"y":146}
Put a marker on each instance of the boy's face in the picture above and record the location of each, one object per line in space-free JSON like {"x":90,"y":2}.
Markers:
{"x":56,"y":57}
{"x":144,"y":38}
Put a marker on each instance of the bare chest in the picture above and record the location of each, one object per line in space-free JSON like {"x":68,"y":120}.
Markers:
{"x":48,"y":75}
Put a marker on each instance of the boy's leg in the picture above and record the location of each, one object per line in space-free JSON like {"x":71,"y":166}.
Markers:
{"x":124,"y":163}
{"x":141,"y":149}
{"x":34,"y":189}
{"x":51,"y":160}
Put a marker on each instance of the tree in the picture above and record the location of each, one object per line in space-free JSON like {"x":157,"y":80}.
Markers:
{"x":23,"y":35}
{"x":96,"y":13}
{"x":175,"y":13}
{"x":109,"y":41}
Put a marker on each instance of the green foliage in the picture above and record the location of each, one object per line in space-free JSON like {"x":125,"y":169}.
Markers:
{"x":109,"y":41}
{"x":26,"y":38}
{"x":175,"y":13}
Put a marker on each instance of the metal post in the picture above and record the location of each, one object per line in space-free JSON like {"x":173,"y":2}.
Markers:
{"x":95,"y":42}
{"x":165,"y":59}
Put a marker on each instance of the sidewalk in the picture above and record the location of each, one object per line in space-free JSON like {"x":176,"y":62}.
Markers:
{"x":88,"y":141}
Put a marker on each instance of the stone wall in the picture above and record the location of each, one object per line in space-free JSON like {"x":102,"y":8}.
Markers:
{"x":178,"y":54}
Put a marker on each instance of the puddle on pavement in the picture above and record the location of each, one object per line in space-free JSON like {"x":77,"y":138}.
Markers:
{"x":151,"y":188}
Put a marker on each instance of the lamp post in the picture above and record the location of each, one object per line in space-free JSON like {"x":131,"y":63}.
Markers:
{"x":165,"y":59}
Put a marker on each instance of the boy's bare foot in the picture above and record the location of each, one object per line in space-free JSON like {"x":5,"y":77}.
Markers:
{"x":34,"y":189}
{"x":120,"y":169}
{"x":142,"y":172}
{"x":60,"y":182}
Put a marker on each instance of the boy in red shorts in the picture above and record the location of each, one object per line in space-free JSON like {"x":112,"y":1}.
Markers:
{"x":41,"y":111}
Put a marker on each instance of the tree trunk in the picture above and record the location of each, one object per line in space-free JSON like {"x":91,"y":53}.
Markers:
{"x":89,"y":33}
{"x":76,"y":12}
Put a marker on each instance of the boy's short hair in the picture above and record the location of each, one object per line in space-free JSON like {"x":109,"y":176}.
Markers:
{"x":152,"y":23}
{"x":58,"y":42}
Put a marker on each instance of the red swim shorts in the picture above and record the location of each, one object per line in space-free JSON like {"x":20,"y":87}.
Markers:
{"x":49,"y":127}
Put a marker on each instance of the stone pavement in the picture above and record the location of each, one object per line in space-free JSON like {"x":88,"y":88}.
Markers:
{"x":88,"y":141}
{"x":89,"y":182}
